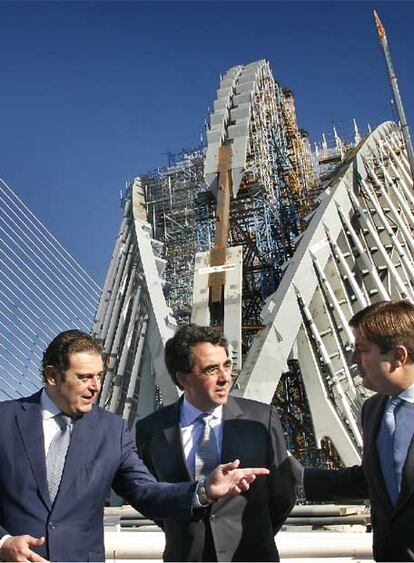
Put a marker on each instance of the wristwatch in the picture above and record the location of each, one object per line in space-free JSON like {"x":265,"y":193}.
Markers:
{"x":203,"y":497}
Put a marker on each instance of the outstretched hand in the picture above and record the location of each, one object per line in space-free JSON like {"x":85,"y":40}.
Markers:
{"x":18,"y":548}
{"x":229,"y":479}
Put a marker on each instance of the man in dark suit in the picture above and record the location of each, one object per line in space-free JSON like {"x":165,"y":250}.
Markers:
{"x":384,"y":353}
{"x":60,"y":454}
{"x":173,"y":444}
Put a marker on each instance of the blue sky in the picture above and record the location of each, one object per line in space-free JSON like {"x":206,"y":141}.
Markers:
{"x":94,"y":93}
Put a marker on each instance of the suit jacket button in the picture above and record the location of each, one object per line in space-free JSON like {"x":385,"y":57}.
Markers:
{"x":213,"y":517}
{"x":53,"y":525}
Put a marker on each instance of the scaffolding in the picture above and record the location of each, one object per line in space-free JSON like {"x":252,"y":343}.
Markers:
{"x":174,"y":212}
{"x":286,"y":326}
{"x":274,"y":187}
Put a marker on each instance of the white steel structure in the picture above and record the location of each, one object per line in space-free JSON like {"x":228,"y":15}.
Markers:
{"x":357,"y":249}
{"x":133,"y":321}
{"x":42,"y":292}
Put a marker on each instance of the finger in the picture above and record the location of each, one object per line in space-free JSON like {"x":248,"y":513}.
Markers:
{"x":243,"y":485}
{"x":255,"y":471}
{"x":32,"y":556}
{"x":226,"y":467}
{"x":35,"y":541}
{"x":249,"y":478}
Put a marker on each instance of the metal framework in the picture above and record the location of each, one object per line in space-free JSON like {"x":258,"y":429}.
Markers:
{"x":288,"y":286}
{"x":42,"y":292}
{"x":133,"y":320}
{"x":357,"y":249}
{"x":178,"y":209}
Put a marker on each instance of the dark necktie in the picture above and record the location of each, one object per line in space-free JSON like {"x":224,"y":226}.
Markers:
{"x":206,"y":457}
{"x":385,"y":444}
{"x":55,"y":459}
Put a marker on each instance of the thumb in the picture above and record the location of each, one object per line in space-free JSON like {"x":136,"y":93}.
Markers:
{"x":35,"y":542}
{"x":226,"y":467}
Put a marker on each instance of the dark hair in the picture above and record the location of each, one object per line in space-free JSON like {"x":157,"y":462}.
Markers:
{"x":66,"y":343}
{"x":178,"y":349}
{"x":387,"y":324}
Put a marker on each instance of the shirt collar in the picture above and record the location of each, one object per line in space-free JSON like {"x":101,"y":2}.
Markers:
{"x":408,"y":394}
{"x":189,"y":413}
{"x":49,"y":409}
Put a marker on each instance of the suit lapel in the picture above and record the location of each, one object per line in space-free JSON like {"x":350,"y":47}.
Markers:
{"x":232,"y":433}
{"x":232,"y":446}
{"x":172,"y":434}
{"x":407,"y":481}
{"x":30,"y":427}
{"x":80,"y":449}
{"x":372,"y":426}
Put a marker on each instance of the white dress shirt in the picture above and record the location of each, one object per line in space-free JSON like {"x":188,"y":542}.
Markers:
{"x":191,"y":430}
{"x":49,"y":411}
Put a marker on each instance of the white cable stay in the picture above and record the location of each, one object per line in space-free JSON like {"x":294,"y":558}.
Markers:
{"x":37,"y":286}
{"x":66,"y":268}
{"x":20,"y":388}
{"x":56,"y":264}
{"x":37,"y":320}
{"x":23,"y":343}
{"x":49,"y":279}
{"x":3,"y":391}
{"x":28,"y":369}
{"x":19,"y":361}
{"x":43,"y":314}
{"x":25,"y":325}
{"x":59,"y":248}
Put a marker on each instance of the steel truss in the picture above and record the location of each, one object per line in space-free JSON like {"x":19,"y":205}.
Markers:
{"x":357,"y":249}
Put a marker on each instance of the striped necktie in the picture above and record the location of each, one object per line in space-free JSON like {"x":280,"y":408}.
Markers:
{"x":206,"y":457}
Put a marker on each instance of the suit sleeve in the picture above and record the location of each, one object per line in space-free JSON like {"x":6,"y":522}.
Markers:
{"x":141,"y":439}
{"x":155,"y":500}
{"x":281,"y":481}
{"x":335,"y":484}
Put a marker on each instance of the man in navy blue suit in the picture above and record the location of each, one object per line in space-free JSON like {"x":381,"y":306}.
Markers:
{"x":34,"y":523}
{"x":384,"y":354}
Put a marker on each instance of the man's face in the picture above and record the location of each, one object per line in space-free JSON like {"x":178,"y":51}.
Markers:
{"x":75,"y":391}
{"x":208,"y":385}
{"x":380,"y":372}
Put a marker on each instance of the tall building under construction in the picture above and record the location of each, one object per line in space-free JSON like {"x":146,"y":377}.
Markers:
{"x":243,"y":235}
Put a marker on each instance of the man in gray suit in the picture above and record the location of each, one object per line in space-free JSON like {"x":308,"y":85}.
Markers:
{"x":179,"y":442}
{"x":384,"y":353}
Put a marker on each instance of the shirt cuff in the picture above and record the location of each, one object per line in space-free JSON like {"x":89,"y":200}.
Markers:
{"x":3,"y":539}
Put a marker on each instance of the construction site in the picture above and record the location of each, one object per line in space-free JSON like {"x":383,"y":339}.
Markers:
{"x":272,"y":190}
{"x":273,"y":240}
{"x":220,"y":235}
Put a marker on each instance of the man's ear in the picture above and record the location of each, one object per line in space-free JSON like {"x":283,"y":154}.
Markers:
{"x":181,"y":378}
{"x":50,"y":375}
{"x":400,"y":355}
